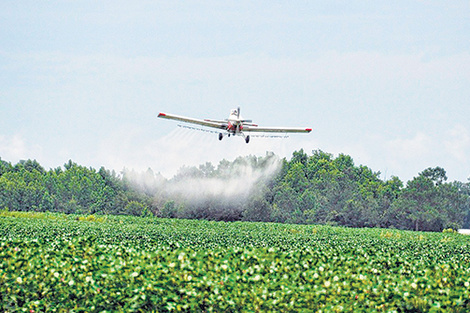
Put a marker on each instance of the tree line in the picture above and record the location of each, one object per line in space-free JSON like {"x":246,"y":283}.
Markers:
{"x":27,"y":186}
{"x":307,"y":189}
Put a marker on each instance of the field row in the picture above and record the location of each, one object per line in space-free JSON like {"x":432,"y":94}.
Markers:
{"x":66,"y":263}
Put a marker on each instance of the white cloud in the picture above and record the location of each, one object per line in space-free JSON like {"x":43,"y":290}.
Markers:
{"x":405,"y":156}
{"x":14,"y":148}
{"x":458,"y":143}
{"x":410,"y":148}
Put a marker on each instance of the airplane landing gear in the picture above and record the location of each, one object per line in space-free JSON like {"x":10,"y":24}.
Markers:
{"x":221,"y":136}
{"x":247,"y":139}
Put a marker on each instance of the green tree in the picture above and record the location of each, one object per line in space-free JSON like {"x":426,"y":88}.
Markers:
{"x":427,"y":203}
{"x":286,"y":202}
{"x":436,"y":175}
{"x":257,"y":210}
{"x":5,"y":167}
{"x":169,"y":210}
{"x":135,"y":208}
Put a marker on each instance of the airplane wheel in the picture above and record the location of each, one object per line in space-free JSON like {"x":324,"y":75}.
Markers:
{"x":247,"y":139}
{"x":221,"y":136}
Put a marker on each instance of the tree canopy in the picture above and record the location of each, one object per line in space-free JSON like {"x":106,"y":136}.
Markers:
{"x":317,"y":188}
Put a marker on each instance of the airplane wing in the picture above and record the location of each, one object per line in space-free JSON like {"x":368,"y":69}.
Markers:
{"x":208,"y":123}
{"x":276,"y":129}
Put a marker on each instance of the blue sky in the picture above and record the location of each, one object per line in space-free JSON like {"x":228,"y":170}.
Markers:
{"x":387,"y":82}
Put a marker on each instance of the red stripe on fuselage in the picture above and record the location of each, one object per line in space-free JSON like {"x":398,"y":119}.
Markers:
{"x":231,"y":126}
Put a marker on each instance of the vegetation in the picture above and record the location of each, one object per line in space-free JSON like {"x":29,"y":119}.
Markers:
{"x":315,"y":189}
{"x":69,"y":242}
{"x":327,"y":190}
{"x":57,"y":262}
{"x":27,"y":186}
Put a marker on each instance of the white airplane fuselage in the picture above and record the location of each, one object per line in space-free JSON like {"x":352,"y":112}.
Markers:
{"x":235,"y":125}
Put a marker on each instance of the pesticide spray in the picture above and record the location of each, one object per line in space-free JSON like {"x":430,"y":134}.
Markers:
{"x":220,"y":193}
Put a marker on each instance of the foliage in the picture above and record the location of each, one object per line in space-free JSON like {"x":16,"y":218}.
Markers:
{"x":308,"y":189}
{"x":74,"y":189}
{"x":327,"y":190}
{"x":137,"y":264}
{"x":92,"y":218}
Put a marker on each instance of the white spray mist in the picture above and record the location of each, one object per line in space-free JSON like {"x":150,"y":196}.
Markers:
{"x":230,"y":182}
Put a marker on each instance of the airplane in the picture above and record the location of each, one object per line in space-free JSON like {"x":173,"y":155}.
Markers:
{"x":235,"y":125}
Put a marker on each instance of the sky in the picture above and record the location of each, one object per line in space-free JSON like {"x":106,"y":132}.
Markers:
{"x":386,"y":82}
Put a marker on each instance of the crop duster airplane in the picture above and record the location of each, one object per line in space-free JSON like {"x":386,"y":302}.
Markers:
{"x":235,"y":125}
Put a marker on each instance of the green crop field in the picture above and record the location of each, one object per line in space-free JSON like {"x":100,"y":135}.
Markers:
{"x":70,"y":263}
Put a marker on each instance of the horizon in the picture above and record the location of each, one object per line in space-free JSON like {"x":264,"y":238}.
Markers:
{"x":120,"y":173}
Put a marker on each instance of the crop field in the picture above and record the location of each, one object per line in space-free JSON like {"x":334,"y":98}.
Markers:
{"x":71,"y":263}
